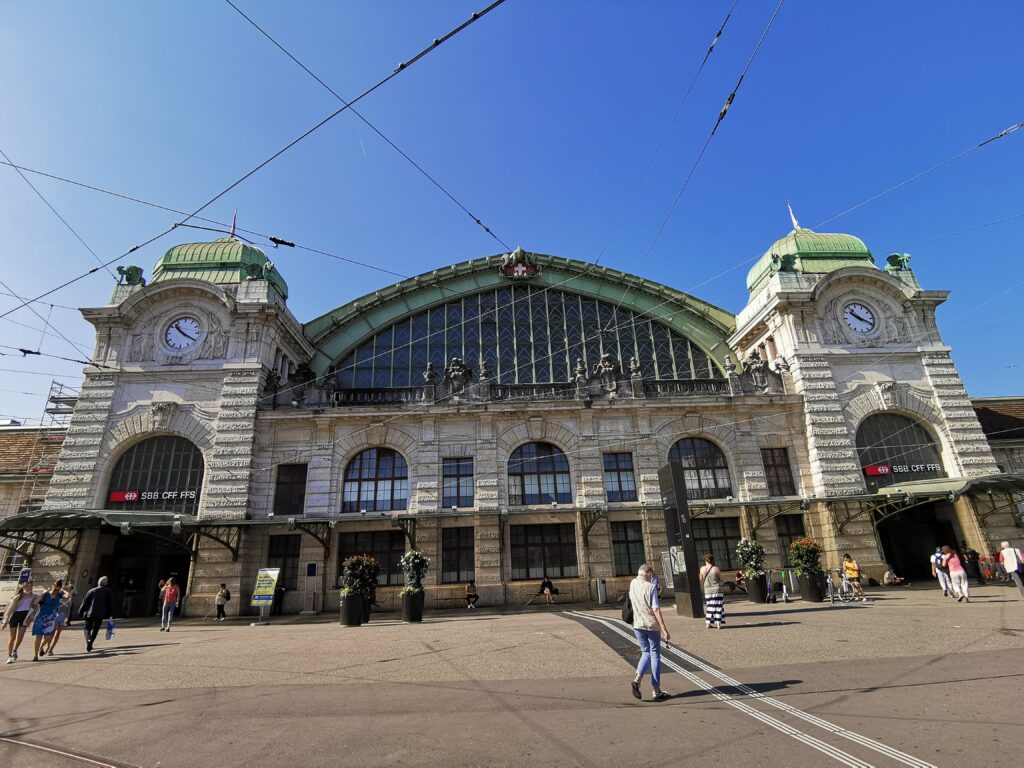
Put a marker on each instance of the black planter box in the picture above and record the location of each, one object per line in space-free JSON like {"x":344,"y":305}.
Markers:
{"x":412,"y":607}
{"x":812,"y":588}
{"x":757,"y":589}
{"x":352,"y":611}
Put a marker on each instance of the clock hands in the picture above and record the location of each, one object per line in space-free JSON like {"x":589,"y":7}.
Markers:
{"x":178,"y":329}
{"x":862,"y":319}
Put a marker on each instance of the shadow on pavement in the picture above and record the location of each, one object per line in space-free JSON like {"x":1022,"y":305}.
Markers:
{"x":759,"y":624}
{"x":733,"y":690}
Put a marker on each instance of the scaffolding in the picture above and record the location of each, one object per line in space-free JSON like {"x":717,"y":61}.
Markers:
{"x":53,"y":427}
{"x":16,"y":552}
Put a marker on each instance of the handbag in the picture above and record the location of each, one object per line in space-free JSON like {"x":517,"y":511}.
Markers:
{"x":627,"y":610}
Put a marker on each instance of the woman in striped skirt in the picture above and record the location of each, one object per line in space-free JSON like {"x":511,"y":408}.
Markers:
{"x":714,"y":600}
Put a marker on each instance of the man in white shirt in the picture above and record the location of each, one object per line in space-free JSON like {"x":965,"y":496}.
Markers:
{"x":647,"y":621}
{"x":940,"y":572}
{"x":1012,"y":560}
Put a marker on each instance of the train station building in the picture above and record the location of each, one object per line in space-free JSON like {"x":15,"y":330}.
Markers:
{"x":507,"y":416}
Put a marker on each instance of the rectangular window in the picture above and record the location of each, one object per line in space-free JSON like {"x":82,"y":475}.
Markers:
{"x":284,"y":554}
{"x":619,"y":481}
{"x":539,"y":550}
{"x":387,"y":546}
{"x":290,"y":491}
{"x":719,"y":536}
{"x":627,"y":547}
{"x":457,"y":555}
{"x":789,"y":528}
{"x":12,"y":565}
{"x":777,"y":472}
{"x":458,"y":483}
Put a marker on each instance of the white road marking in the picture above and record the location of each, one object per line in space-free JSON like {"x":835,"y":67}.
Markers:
{"x":857,"y":738}
{"x":70,"y":755}
{"x":834,"y":752}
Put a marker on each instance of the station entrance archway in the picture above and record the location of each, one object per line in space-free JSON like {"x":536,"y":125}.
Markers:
{"x":909,"y":538}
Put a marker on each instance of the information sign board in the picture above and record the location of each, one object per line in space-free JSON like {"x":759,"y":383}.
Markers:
{"x":266,"y":583}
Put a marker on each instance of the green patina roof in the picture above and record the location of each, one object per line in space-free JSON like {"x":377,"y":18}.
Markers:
{"x":222,"y":262}
{"x":804,"y":250}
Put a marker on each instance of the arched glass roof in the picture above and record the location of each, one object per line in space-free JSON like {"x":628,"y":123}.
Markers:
{"x":524,"y":334}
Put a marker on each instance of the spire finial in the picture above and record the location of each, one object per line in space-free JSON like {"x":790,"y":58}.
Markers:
{"x":792,"y":216}
{"x":234,"y":222}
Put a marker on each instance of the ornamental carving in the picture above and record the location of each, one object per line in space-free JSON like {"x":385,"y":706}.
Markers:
{"x":519,"y":265}
{"x":162,"y":413}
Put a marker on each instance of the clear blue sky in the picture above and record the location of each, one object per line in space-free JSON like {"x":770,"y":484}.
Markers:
{"x":540,"y":118}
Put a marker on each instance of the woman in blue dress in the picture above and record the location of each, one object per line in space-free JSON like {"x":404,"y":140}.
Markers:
{"x":63,"y":617}
{"x":46,"y":619}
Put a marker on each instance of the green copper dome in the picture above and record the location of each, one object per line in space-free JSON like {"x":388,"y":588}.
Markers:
{"x":223,"y":262}
{"x":804,"y":250}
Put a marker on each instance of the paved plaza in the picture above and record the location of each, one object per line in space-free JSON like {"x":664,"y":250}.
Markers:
{"x":907,"y":678}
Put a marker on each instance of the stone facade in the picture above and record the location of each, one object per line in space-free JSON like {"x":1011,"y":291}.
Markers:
{"x":258,"y":391}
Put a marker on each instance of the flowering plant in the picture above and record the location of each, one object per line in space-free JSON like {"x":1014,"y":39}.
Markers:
{"x":805,"y":555}
{"x":750,"y":554}
{"x":359,"y":575}
{"x":414,"y":565}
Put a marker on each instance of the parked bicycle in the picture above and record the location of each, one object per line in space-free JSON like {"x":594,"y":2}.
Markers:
{"x":844,"y":592}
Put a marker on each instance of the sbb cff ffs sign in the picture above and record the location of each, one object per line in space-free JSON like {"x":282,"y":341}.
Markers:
{"x":876,"y":470}
{"x":131,"y":496}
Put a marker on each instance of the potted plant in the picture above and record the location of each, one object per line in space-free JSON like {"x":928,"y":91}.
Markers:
{"x":805,"y":557}
{"x":358,"y":584}
{"x":750,"y":554}
{"x":414,"y":565}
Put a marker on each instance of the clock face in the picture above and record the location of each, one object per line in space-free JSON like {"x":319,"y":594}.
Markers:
{"x":859,"y":318}
{"x":183,"y":333}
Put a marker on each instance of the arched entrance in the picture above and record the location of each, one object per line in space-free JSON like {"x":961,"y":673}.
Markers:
{"x":159,"y":474}
{"x":895,"y":449}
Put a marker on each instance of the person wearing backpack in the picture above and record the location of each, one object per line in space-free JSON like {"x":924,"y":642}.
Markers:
{"x":223,"y":596}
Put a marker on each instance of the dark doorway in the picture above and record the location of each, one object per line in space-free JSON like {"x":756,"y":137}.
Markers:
{"x":910,"y":538}
{"x":135,"y":568}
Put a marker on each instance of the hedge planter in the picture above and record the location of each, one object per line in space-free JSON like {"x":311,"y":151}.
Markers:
{"x":757,"y":589}
{"x":812,"y":589}
{"x":412,"y":606}
{"x":352,"y":610}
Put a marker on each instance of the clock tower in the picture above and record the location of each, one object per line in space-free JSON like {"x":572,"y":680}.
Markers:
{"x":858,"y":341}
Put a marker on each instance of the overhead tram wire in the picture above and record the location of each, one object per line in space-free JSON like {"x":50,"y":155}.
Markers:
{"x":400,"y":68}
{"x":56,"y":212}
{"x":700,"y":156}
{"x":664,"y":135}
{"x":1002,"y":134}
{"x":373,"y":127}
{"x":46,"y":322}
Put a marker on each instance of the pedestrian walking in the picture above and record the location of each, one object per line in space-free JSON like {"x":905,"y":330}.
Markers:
{"x":160,"y":595}
{"x":714,"y":600}
{"x":647,"y":621}
{"x":17,"y":616}
{"x":169,"y":597}
{"x":223,"y":595}
{"x":1012,"y":560}
{"x":957,"y":574}
{"x":128,"y":597}
{"x":45,"y":623}
{"x":63,"y":618}
{"x":97,"y":607}
{"x":941,"y":572}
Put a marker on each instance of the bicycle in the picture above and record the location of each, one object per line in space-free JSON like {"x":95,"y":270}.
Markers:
{"x":845,"y":592}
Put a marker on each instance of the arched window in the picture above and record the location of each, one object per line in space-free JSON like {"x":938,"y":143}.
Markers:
{"x":704,"y":467}
{"x":525,"y":334}
{"x":376,"y":480}
{"x":894,"y":449}
{"x":162,"y":473}
{"x":538,"y":473}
